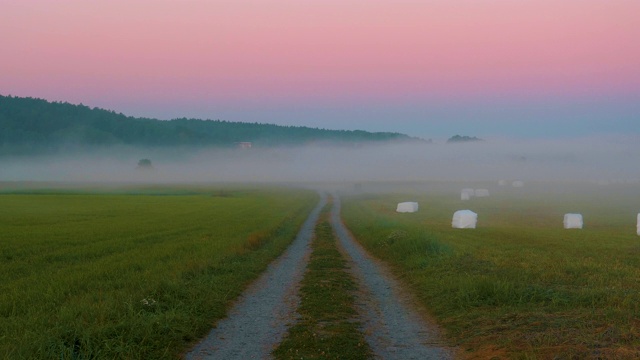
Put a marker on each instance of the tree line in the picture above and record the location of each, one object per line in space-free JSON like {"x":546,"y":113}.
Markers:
{"x":30,"y":125}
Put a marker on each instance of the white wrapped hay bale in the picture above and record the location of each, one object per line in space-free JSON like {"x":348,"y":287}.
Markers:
{"x":573,"y":221}
{"x":638,"y":226}
{"x":407,"y":207}
{"x":464,"y":196}
{"x":502,"y":182}
{"x":517,"y":184}
{"x":481,"y":192}
{"x":469,"y":191}
{"x":464,"y":219}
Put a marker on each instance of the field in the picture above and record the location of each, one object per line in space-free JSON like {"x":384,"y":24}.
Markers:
{"x":519,"y":286}
{"x":144,"y":272}
{"x":136,"y":273}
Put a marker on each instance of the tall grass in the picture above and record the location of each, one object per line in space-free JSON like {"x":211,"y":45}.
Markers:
{"x":518,"y":286}
{"x":131,"y":276}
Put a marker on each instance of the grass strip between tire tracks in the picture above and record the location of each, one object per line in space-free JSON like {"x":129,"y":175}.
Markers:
{"x":327,"y":328}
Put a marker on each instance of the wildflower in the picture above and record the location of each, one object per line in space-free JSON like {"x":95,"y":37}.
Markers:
{"x":148,"y":302}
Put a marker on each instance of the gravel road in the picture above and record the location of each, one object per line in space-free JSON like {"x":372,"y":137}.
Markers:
{"x":392,"y":328}
{"x":258,"y":321}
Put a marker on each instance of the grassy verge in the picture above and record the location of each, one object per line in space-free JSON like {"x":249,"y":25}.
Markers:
{"x":327,"y":329}
{"x":132,"y":276}
{"x":519,"y":286}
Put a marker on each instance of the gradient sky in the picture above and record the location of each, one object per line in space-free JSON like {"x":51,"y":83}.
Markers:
{"x":430,"y":68}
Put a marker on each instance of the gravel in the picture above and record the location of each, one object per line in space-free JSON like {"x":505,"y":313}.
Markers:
{"x":393,"y":329}
{"x":259,"y":319}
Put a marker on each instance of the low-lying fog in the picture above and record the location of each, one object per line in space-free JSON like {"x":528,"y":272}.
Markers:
{"x":598,"y":160}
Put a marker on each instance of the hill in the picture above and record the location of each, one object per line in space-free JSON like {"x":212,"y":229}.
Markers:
{"x":31,"y":126}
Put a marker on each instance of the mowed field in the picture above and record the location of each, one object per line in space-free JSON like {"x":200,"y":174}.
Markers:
{"x":133,"y":273}
{"x":519,"y":286}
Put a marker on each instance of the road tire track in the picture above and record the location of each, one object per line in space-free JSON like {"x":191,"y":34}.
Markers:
{"x":259,"y":319}
{"x":392,"y":327}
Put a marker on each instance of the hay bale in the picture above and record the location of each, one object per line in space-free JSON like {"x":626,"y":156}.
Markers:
{"x":502,"y":182}
{"x":573,"y":221}
{"x":464,"y":196}
{"x":464,"y":219}
{"x":638,"y":226}
{"x":407,"y":207}
{"x":481,"y":192}
{"x":469,"y":191}
{"x":517,"y":184}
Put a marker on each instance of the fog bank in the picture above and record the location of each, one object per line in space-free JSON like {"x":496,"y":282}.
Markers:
{"x":589,"y":159}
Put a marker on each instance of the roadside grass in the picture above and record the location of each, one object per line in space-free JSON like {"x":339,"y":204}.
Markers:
{"x":93,"y":276}
{"x":519,"y":286}
{"x":327,"y":328}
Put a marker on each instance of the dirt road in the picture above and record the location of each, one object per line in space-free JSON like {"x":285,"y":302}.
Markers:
{"x":258,"y":321}
{"x":393,"y":329}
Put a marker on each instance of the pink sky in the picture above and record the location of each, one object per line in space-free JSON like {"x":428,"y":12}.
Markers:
{"x":286,"y":51}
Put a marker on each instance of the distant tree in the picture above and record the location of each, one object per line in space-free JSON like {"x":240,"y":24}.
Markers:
{"x":145,"y":164}
{"x":458,"y":138}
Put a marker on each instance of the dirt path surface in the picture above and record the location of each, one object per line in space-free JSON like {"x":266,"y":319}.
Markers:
{"x":258,"y":321}
{"x":392,"y":328}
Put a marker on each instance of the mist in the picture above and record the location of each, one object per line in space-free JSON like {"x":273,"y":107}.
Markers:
{"x":601,"y":160}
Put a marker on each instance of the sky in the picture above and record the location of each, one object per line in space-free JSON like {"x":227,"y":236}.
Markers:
{"x":428,"y":68}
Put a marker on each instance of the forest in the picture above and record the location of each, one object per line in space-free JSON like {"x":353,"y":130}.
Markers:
{"x":35,"y":126}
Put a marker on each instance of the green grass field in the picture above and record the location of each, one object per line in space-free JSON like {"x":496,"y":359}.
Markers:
{"x":519,"y":286}
{"x":135,"y":273}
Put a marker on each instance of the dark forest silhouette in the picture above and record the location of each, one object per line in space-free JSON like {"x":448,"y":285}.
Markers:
{"x":32,"y":126}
